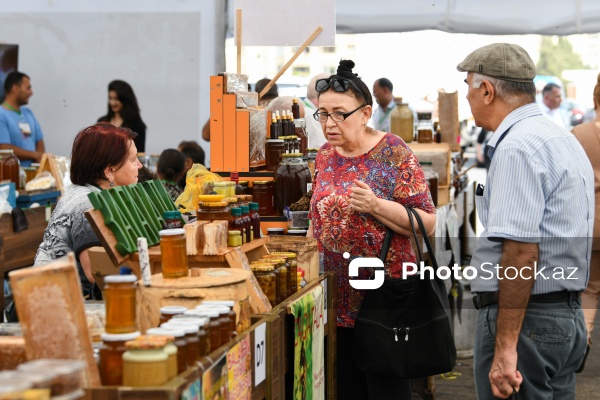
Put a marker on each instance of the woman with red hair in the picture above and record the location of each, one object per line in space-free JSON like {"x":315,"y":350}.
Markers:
{"x":103,"y":156}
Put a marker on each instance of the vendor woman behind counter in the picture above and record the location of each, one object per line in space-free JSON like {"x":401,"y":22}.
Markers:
{"x":103,"y":156}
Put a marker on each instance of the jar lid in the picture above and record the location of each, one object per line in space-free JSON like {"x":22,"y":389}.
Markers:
{"x":193,"y":319}
{"x":261,"y":182}
{"x":228,"y":303}
{"x":275,"y":140}
{"x":14,"y":388}
{"x":220,"y":308}
{"x":275,"y":229}
{"x":253,"y":206}
{"x":203,"y":313}
{"x":172,"y":331}
{"x":210,"y":198}
{"x":243,"y":183}
{"x":312,"y":150}
{"x":297,"y":231}
{"x":214,"y":204}
{"x":262,"y":267}
{"x":160,"y":334}
{"x":173,"y":214}
{"x":288,"y":254}
{"x":245,"y":209}
{"x":292,"y":155}
{"x":236,"y":211}
{"x":144,"y":343}
{"x":187,"y":327}
{"x":171,"y":310}
{"x":274,"y":258}
{"x":220,"y":184}
{"x":234,"y":232}
{"x":119,"y":337}
{"x":171,"y":232}
{"x":120,"y":278}
{"x":7,"y":151}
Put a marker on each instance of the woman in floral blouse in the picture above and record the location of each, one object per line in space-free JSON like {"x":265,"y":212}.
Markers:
{"x":362,"y":179}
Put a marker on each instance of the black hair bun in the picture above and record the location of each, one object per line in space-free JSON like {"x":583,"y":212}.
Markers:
{"x":345,"y":69}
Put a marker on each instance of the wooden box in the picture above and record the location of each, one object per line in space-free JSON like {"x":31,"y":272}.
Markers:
{"x":306,"y":250}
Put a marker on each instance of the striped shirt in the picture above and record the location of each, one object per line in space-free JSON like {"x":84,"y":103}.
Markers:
{"x":539,"y":189}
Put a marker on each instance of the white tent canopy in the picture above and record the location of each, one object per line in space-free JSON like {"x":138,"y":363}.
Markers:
{"x":543,"y":17}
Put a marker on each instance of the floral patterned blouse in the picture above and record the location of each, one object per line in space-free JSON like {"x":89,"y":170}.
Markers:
{"x":393,"y":173}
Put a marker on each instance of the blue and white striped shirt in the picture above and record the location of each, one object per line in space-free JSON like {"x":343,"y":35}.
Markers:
{"x":539,"y":189}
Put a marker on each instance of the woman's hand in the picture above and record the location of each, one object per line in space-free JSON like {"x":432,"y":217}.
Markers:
{"x":362,"y":198}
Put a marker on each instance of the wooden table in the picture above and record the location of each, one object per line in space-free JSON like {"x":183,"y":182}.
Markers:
{"x":17,"y":250}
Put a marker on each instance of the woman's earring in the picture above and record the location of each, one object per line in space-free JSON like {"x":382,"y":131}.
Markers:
{"x":112,"y":183}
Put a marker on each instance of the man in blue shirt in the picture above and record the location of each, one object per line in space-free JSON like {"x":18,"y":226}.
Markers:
{"x":532,"y":260}
{"x":19,"y":130}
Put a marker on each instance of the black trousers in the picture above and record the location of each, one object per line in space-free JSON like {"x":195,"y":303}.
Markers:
{"x":355,"y":384}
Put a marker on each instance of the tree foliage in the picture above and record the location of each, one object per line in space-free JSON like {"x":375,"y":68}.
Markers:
{"x":557,"y":56}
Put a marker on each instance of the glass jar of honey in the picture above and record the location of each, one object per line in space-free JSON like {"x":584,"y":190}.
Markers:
{"x":213,"y":327}
{"x":191,"y":338}
{"x":284,"y":277}
{"x":265,"y":275}
{"x":10,"y":167}
{"x":119,"y":298}
{"x":274,"y":148}
{"x":145,"y":363}
{"x":224,"y":320}
{"x":264,"y":195}
{"x":172,"y":220}
{"x":213,"y":211}
{"x":179,"y":343}
{"x":170,"y":348}
{"x":167,"y":312}
{"x":221,"y":188}
{"x":292,"y":181}
{"x":173,"y":253}
{"x":111,"y":357}
{"x":234,"y":238}
{"x":232,"y":314}
{"x":292,"y":265}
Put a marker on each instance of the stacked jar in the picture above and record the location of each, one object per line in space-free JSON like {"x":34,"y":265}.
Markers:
{"x":145,"y":362}
{"x":292,"y":266}
{"x":232,"y":315}
{"x":201,"y":324}
{"x":284,"y":278}
{"x":267,"y":280}
{"x":119,"y":297}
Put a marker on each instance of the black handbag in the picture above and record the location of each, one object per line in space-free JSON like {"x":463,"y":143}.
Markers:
{"x":404,"y":328}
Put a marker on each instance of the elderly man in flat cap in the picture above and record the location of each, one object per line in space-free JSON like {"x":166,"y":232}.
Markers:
{"x":537,"y":208}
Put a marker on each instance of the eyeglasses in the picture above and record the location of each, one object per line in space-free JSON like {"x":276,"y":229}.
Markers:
{"x":336,"y":116}
{"x":338,"y":84}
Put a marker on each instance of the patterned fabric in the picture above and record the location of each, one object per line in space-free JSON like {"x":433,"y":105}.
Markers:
{"x":173,"y":189}
{"x":393,"y":173}
{"x":69,"y":230}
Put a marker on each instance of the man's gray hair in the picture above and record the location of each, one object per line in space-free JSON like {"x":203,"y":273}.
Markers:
{"x":509,"y":91}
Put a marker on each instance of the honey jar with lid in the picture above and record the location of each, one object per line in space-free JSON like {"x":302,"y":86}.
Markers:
{"x":111,"y":357}
{"x":191,"y":338}
{"x":292,"y":265}
{"x":170,"y":348}
{"x":265,"y":275}
{"x":145,"y":363}
{"x":119,"y":298}
{"x":232,"y":314}
{"x":213,"y":211}
{"x":213,"y":327}
{"x":180,"y":344}
{"x":173,"y":253}
{"x":167,"y":312}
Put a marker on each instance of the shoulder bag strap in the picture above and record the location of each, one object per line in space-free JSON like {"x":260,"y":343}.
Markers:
{"x":432,"y":259}
{"x":387,"y":241}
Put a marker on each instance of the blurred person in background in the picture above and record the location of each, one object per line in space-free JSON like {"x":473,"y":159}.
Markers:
{"x":193,"y":153}
{"x":551,"y":105}
{"x":588,"y":135}
{"x":103,"y":156}
{"x":123,"y":110}
{"x":169,"y":169}
{"x":382,"y":90}
{"x":270,"y":95}
{"x":19,"y":130}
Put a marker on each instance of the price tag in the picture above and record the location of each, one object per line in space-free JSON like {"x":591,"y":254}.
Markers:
{"x":324,"y":284}
{"x":260,"y":354}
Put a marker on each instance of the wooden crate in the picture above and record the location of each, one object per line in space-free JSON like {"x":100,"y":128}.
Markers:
{"x":306,"y":250}
{"x":439,"y":155}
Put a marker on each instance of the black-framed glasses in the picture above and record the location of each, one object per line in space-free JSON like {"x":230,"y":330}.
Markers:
{"x":336,"y":116}
{"x":337,"y":84}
